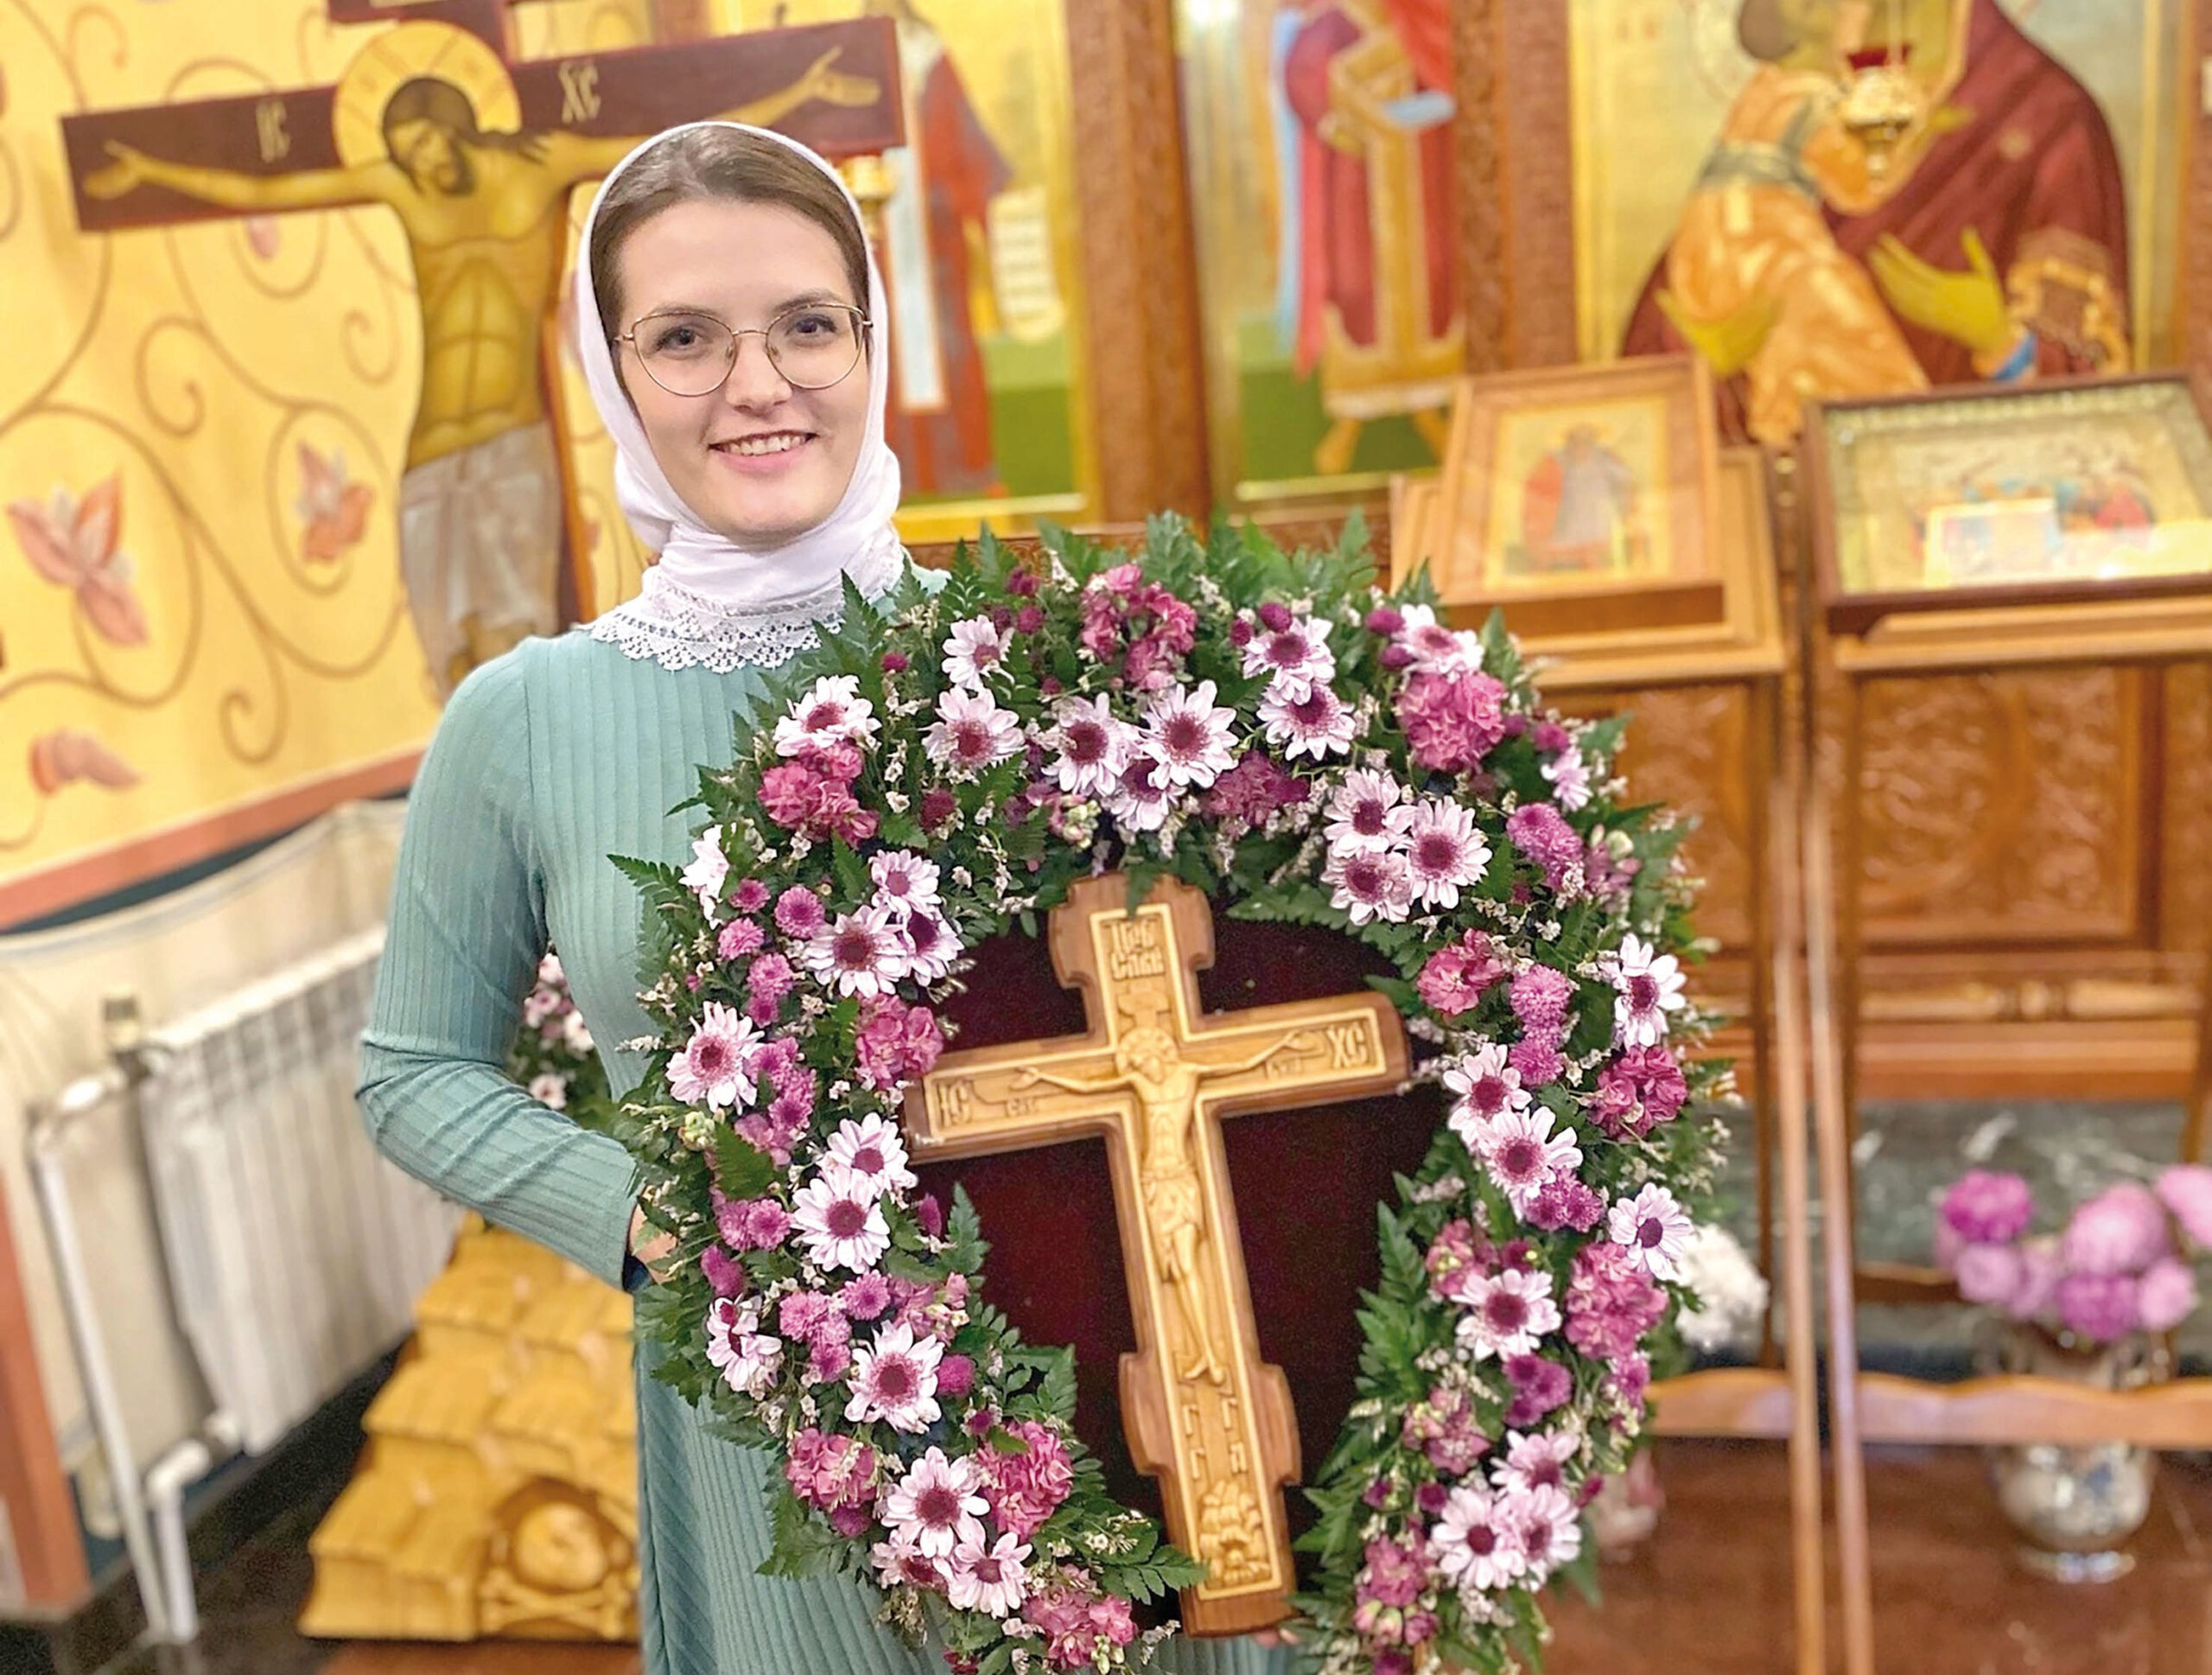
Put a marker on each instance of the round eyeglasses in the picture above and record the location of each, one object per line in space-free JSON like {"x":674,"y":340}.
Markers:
{"x":812,"y":347}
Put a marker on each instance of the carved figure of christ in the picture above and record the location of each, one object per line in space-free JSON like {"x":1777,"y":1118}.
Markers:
{"x":1154,"y":1075}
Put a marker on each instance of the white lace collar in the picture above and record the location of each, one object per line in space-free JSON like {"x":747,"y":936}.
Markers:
{"x":680,"y":628}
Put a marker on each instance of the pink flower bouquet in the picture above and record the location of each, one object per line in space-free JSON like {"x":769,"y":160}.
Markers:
{"x":2122,"y":1263}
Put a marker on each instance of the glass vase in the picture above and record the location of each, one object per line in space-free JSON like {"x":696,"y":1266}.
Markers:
{"x":2074,"y":1504}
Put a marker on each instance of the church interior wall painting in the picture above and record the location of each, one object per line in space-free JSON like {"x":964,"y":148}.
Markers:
{"x":1320,"y":137}
{"x":1993,"y":191}
{"x":274,"y":483}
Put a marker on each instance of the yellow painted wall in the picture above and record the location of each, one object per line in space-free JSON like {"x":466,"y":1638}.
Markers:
{"x":243,"y":639}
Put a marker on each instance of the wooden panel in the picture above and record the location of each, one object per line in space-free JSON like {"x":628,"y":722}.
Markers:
{"x":1140,"y":270}
{"x":2184,"y":771}
{"x":2005,"y":809}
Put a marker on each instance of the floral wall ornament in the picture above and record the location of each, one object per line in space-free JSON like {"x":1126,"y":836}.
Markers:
{"x":70,"y":755}
{"x":75,"y":544}
{"x":334,"y":509}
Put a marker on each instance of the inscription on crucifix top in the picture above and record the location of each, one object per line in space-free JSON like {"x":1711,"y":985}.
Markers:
{"x":1154,"y":1075}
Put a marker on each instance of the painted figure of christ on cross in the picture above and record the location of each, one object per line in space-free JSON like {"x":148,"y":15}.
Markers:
{"x":1154,"y":1074}
{"x":478,"y":157}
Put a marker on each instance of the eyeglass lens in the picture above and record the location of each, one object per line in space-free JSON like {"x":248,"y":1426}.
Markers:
{"x":691,"y":354}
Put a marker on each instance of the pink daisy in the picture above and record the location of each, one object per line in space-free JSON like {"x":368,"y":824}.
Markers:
{"x":832,"y":711}
{"x":1570,"y":779}
{"x":716,"y":1065}
{"x":1092,"y":747}
{"x":840,"y":1222}
{"x":973,"y":647}
{"x":872,"y":1153}
{"x":904,"y":881}
{"x":1136,"y":803}
{"x":938,"y":1504}
{"x":1297,"y":655}
{"x":1534,"y":1462}
{"x":1188,"y":736}
{"x":929,"y":947}
{"x":1485,"y":1087}
{"x":989,"y":1579}
{"x":1369,"y":811}
{"x":894,"y":1379}
{"x":857,"y":953}
{"x":1653,"y":1229}
{"x":736,"y":1344}
{"x":970,"y":732}
{"x":1507,"y":1312}
{"x":1369,"y":884}
{"x":900,"y":1561}
{"x":1521,"y":1153}
{"x":1650,"y":984}
{"x":1437,"y":648}
{"x":1476,"y":1550}
{"x":1446,"y":851}
{"x":1549,"y":1528}
{"x":1315,"y":723}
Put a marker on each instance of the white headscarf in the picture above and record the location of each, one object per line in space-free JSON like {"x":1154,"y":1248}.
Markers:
{"x":856,"y":538}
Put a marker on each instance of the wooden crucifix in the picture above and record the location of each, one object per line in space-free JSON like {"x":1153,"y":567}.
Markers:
{"x":1203,"y":1413}
{"x":477,"y":154}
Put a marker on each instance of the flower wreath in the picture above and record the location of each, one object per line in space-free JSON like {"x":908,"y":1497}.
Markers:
{"x":1282,"y":735}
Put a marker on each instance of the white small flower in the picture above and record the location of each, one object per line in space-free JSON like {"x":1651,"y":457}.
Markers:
{"x":839,"y":1220}
{"x":971,"y":733}
{"x":716,"y":1065}
{"x":1486,"y":1086}
{"x":736,"y":1345}
{"x":1188,"y":736}
{"x":549,"y":968}
{"x":938,"y":1504}
{"x":1650,"y":984}
{"x":1369,"y":884}
{"x":1367,"y":811}
{"x":1731,"y":1292}
{"x":904,"y":881}
{"x":1570,"y":778}
{"x":872,"y":1153}
{"x":1653,"y":1228}
{"x":1092,"y":745}
{"x":1299,"y":655}
{"x":973,"y":648}
{"x":832,"y":711}
{"x":574,"y":1036}
{"x":1508,"y":1312}
{"x":1475,"y":1550}
{"x":989,"y":1579}
{"x":1445,"y":850}
{"x":550,"y":1089}
{"x":1436,"y":648}
{"x":857,"y":953}
{"x":708,"y":871}
{"x":1315,"y":723}
{"x":1521,"y":1154}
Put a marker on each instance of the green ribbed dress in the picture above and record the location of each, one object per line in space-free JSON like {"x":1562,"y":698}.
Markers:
{"x":562,"y":752}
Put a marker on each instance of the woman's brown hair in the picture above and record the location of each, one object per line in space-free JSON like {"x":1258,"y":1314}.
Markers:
{"x":709,"y":162}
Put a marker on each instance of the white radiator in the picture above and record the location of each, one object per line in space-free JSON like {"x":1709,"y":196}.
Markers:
{"x":294,"y":1250}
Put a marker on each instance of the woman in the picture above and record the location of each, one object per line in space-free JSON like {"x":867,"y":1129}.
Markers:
{"x":755,"y":464}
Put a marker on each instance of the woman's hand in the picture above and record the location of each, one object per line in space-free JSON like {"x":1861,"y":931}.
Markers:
{"x":1731,"y":342}
{"x":651,"y":1246}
